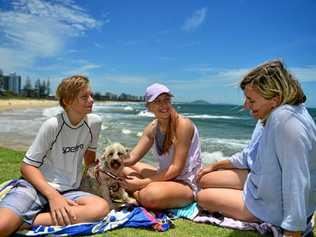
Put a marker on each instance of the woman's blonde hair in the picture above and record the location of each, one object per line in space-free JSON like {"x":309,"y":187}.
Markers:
{"x":70,"y":87}
{"x":171,"y":131}
{"x":272,"y":79}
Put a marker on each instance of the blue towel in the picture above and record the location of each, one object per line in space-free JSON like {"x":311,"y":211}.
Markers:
{"x":136,"y":217}
{"x":189,"y":212}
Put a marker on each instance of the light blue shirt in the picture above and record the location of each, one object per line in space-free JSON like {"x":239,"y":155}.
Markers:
{"x":281,"y":186}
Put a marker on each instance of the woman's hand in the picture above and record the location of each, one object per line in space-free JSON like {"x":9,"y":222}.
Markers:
{"x":222,"y":164}
{"x":61,"y":210}
{"x":204,"y":171}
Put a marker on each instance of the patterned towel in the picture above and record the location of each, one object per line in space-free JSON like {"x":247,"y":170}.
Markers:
{"x":129,"y":216}
{"x":136,"y":217}
{"x":193,"y":213}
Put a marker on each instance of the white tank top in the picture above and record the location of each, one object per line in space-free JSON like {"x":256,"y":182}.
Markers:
{"x":193,"y":163}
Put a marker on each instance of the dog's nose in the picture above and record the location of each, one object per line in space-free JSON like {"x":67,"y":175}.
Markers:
{"x":115,"y":164}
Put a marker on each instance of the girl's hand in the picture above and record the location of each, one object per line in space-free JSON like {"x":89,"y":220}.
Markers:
{"x":133,"y":183}
{"x":127,"y":160}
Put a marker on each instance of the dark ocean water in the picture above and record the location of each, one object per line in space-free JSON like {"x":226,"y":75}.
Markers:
{"x":224,"y":129}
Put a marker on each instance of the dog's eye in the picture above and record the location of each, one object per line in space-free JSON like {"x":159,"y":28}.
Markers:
{"x":120,"y":153}
{"x":111,"y":154}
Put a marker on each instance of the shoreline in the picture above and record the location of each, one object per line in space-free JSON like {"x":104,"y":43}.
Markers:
{"x":13,"y":104}
{"x":14,"y":139}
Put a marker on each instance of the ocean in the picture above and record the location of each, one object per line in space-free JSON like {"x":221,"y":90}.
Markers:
{"x":224,"y":129}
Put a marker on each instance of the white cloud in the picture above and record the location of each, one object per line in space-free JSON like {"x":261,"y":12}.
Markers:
{"x":304,"y":74}
{"x":35,"y":29}
{"x":11,"y":59}
{"x":207,"y":73}
{"x":83,"y":69}
{"x":195,"y":20}
{"x":127,"y":79}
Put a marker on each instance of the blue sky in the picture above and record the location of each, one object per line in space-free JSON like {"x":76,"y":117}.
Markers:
{"x":200,"y":49}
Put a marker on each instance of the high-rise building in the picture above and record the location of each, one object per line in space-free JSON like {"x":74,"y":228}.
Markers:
{"x":15,"y":83}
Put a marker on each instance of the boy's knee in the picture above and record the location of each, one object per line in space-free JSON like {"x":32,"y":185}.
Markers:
{"x":102,"y":208}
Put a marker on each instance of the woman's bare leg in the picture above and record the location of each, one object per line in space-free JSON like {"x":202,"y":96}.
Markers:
{"x":234,"y":178}
{"x":228,"y":202}
{"x":222,"y":192}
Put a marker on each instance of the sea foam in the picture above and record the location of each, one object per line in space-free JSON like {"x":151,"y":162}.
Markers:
{"x":209,"y":158}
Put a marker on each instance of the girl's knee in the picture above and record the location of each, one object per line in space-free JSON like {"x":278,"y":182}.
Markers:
{"x":149,"y":201}
{"x":150,"y":197}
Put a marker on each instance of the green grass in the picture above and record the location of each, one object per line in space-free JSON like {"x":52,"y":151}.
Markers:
{"x":9,"y":164}
{"x":9,"y":168}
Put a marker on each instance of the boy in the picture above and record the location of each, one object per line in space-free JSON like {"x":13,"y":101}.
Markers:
{"x":52,"y":167}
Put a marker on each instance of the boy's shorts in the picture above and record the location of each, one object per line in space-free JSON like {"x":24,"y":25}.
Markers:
{"x":25,"y":201}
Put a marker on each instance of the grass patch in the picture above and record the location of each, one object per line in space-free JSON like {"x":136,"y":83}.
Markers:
{"x":9,"y":169}
{"x":10,"y":161}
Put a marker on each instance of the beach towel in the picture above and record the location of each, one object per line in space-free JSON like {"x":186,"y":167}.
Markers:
{"x":128,"y":216}
{"x":131,"y":216}
{"x":193,"y":213}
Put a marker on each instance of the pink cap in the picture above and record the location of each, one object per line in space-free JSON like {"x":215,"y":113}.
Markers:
{"x":154,"y":90}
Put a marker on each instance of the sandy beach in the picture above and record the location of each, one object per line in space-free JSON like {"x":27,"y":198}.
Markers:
{"x":12,"y":104}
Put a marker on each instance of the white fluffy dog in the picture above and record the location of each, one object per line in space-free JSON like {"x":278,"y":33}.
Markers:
{"x":103,"y":179}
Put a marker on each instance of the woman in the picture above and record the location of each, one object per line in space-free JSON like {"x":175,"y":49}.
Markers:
{"x":274,"y":178}
{"x":176,"y":145}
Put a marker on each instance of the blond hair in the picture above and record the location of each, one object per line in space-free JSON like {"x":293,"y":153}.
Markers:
{"x":171,"y":131}
{"x":70,"y":87}
{"x":272,"y":79}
